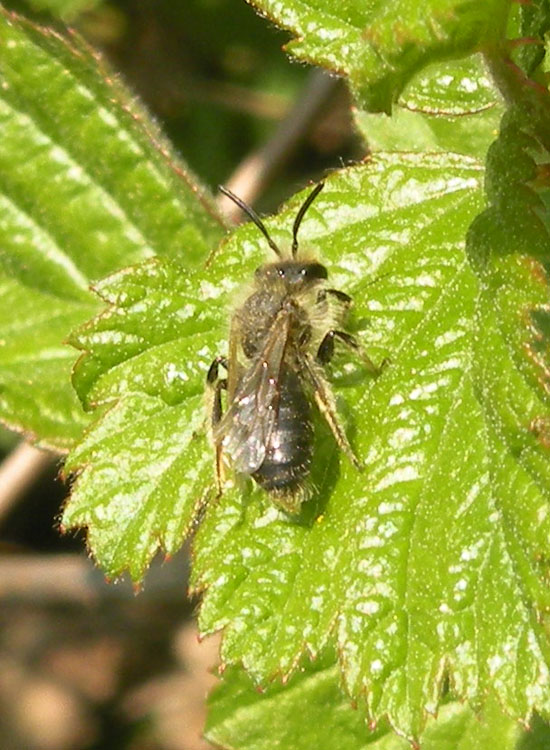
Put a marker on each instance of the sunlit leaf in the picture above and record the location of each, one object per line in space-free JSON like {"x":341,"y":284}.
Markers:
{"x":147,"y":466}
{"x":88,"y":185}
{"x":379,"y":46}
{"x":444,"y":533}
{"x":434,"y":559}
{"x":242,"y":718}
{"x":449,"y":106}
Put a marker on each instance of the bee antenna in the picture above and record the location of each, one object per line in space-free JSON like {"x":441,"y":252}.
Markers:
{"x":301,"y":213}
{"x":253,"y":216}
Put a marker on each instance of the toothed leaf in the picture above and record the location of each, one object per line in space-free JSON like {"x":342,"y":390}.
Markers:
{"x":379,"y":46}
{"x":242,"y":717}
{"x":448,"y":106}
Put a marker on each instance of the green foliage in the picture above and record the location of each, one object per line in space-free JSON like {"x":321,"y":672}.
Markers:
{"x":450,"y":106}
{"x":419,"y":585}
{"x":147,"y":464}
{"x":312,"y":711}
{"x":402,"y":551}
{"x":88,"y":186}
{"x":380,"y":45}
{"x":163,"y":329}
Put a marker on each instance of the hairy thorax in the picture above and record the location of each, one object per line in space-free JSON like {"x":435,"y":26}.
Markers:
{"x":257,"y":316}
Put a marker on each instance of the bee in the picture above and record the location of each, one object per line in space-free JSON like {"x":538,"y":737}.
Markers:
{"x":280,"y":339}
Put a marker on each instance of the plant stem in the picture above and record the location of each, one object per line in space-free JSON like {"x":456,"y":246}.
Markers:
{"x":19,"y":471}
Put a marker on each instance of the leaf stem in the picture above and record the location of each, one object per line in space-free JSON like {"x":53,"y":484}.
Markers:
{"x":518,"y":90}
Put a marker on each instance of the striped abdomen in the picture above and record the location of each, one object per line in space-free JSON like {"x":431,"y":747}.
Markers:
{"x":288,"y":458}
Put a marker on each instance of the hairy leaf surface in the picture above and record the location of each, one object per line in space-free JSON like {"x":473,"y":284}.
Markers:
{"x":431,"y":561}
{"x":448,"y":106}
{"x":429,"y":568}
{"x":88,"y":185}
{"x":147,"y":466}
{"x":380,"y":45}
{"x":312,"y":711}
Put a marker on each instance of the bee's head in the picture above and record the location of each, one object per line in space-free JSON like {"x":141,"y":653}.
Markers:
{"x":291,"y":270}
{"x":294,"y":274}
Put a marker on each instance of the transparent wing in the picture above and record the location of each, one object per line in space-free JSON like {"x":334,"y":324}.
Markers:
{"x":246,"y":427}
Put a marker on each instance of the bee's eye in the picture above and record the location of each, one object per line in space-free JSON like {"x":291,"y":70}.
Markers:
{"x":281,"y":272}
{"x":314,"y":271}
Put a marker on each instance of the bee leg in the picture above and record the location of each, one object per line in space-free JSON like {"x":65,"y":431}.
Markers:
{"x":325,"y":351}
{"x":327,"y":406}
{"x":342,"y":297}
{"x":213,"y":371}
{"x":216,"y":417}
{"x":216,"y":385}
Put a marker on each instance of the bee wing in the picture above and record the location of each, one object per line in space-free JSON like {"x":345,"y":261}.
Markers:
{"x":247,"y":425}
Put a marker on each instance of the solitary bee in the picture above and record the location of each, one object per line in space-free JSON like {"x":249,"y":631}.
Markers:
{"x":280,"y":338}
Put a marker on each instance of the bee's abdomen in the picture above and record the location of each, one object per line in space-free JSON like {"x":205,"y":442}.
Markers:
{"x":288,"y":459}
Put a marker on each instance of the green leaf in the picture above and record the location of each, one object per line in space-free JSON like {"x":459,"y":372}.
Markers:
{"x":450,"y":106}
{"x":401,"y":564}
{"x":533,"y":23}
{"x":433,"y":561}
{"x":402,"y":217}
{"x":312,"y":711}
{"x":379,"y":46}
{"x":146,"y":463}
{"x":35,"y":364}
{"x":538,"y":736}
{"x":88,"y":185}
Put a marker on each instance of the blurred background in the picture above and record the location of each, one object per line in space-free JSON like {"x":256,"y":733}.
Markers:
{"x":86,"y":664}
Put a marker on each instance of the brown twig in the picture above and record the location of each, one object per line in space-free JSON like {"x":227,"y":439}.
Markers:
{"x":251,"y":176}
{"x":72,"y":577}
{"x":19,"y":471}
